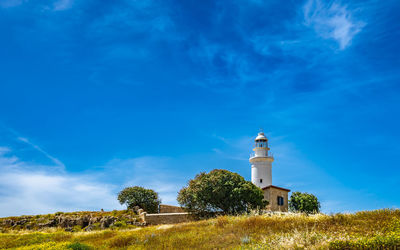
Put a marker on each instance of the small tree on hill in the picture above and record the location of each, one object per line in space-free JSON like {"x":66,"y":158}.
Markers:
{"x":146,"y":199}
{"x":304,"y":202}
{"x":220,"y":191}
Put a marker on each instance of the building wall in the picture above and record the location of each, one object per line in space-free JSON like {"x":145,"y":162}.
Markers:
{"x":171,"y":218}
{"x":170,"y":209}
{"x":271,"y":194}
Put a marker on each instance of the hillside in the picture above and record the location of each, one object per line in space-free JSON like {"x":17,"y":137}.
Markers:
{"x":369,"y":229}
{"x":74,"y":221}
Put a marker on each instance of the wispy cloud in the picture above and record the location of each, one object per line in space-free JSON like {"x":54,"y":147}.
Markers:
{"x":58,"y":5}
{"x":26,"y":188}
{"x":332,"y":21}
{"x":234,"y":148}
{"x":39,"y":149}
{"x":47,"y":189}
{"x":62,"y":5}
{"x":10,"y":3}
{"x":150,"y":172}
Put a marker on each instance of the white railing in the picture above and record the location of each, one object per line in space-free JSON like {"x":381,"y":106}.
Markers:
{"x":270,"y":155}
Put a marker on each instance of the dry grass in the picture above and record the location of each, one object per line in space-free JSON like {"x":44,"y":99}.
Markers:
{"x":373,"y":229}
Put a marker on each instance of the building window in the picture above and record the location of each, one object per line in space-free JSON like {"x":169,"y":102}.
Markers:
{"x":260,"y":180}
{"x":280,"y":201}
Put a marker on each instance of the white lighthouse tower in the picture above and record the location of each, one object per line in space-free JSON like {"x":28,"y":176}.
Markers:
{"x":261,"y":162}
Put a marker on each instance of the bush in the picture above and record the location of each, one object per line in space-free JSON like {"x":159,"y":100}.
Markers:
{"x":146,"y":199}
{"x":119,"y":224}
{"x":78,"y":246}
{"x":45,"y":246}
{"x":76,"y":228}
{"x":378,"y":242}
{"x":304,"y":202}
{"x":220,"y":191}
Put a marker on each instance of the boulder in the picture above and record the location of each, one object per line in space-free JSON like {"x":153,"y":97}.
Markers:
{"x":107,"y":221}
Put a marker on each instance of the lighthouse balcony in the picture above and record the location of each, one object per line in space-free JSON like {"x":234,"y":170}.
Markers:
{"x":257,"y":156}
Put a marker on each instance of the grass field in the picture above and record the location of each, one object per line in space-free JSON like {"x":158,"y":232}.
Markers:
{"x":368,"y":230}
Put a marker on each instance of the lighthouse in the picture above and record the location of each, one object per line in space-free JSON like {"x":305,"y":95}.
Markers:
{"x":261,"y":175}
{"x":261,"y":162}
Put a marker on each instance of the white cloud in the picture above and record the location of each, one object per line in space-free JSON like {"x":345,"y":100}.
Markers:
{"x":28,"y":187}
{"x":59,"y":5}
{"x":332,"y":21}
{"x":10,"y":3}
{"x":62,"y":5}
{"x":33,"y":189}
{"x":150,"y":172}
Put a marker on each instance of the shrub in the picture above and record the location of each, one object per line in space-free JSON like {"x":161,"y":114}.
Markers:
{"x":45,"y":246}
{"x":146,"y":199}
{"x":76,"y":228}
{"x":121,"y":241}
{"x":391,"y":241}
{"x":120,"y":224}
{"x":304,"y":202}
{"x":220,"y":191}
{"x":78,"y":246}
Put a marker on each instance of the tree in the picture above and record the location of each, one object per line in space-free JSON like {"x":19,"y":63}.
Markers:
{"x":146,"y":199}
{"x":304,"y":202}
{"x":220,"y":191}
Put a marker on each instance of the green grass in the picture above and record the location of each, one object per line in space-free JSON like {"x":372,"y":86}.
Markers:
{"x":363,"y":230}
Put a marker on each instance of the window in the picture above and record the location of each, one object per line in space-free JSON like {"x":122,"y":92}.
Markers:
{"x":280,"y":201}
{"x":260,"y":180}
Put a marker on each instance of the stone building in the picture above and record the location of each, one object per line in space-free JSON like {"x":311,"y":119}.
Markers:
{"x":261,"y":175}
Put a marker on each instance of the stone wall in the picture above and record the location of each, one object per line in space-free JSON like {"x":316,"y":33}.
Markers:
{"x":165,"y":218}
{"x":170,"y":209}
{"x":271,"y":194}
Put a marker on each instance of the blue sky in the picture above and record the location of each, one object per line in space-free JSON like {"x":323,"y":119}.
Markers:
{"x":99,"y":95}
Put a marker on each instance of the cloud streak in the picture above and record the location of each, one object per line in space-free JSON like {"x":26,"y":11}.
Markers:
{"x":39,"y":149}
{"x":31,"y":189}
{"x":62,"y":5}
{"x":49,"y":188}
{"x":332,"y":21}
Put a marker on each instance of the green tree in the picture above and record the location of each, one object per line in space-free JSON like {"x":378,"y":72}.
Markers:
{"x":304,"y":202}
{"x":146,"y":199}
{"x":220,"y":191}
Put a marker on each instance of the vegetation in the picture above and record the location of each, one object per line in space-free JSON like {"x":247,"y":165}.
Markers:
{"x":362,"y":230}
{"x":146,"y":199}
{"x":74,"y":221}
{"x":304,"y":202}
{"x":220,"y":191}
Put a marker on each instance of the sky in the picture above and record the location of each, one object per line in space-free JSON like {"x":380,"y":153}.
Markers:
{"x":96,"y":96}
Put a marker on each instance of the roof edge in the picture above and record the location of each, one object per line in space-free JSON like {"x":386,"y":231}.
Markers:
{"x":272,"y":186}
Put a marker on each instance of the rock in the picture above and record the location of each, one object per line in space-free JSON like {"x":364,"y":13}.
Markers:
{"x":50,"y":223}
{"x":89,"y":228}
{"x":64,"y":222}
{"x":9,"y":222}
{"x":93,"y":220}
{"x":82,"y":221}
{"x":107,"y":221}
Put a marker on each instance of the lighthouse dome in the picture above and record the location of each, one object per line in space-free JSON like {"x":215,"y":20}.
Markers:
{"x":261,"y":137}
